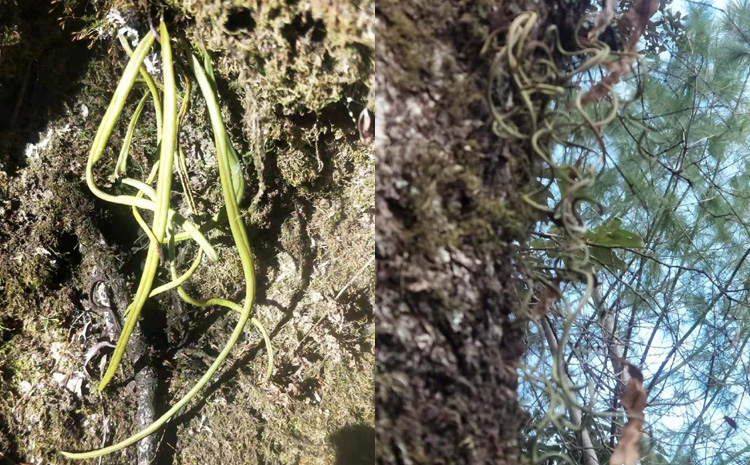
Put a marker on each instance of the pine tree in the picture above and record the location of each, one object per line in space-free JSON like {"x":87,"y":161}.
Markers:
{"x":675,"y":177}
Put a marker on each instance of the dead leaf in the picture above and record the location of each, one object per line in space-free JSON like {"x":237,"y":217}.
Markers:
{"x":637,"y":17}
{"x":626,"y":452}
{"x":601,"y":89}
{"x":546,"y":298}
{"x":602,"y":20}
{"x":634,"y":371}
{"x":634,"y":398}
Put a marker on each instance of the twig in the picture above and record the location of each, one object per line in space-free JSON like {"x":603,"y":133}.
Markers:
{"x":356,"y":275}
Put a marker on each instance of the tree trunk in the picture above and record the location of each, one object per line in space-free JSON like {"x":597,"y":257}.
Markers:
{"x":448,"y":211}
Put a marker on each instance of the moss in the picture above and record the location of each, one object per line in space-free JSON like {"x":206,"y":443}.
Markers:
{"x":298,"y":168}
{"x":41,"y":208}
{"x":497,"y":212}
{"x":449,"y":209}
{"x":298,"y":55}
{"x":402,"y":36}
{"x":292,"y":236}
{"x":10,"y":36}
{"x":292,"y":422}
{"x":42,"y":415}
{"x":288,"y":86}
{"x":298,"y":69}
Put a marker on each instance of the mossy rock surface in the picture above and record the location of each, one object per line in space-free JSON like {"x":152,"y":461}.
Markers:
{"x":292,"y":76}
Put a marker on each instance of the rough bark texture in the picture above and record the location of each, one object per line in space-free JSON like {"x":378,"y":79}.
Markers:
{"x":448,"y":211}
{"x":145,"y":378}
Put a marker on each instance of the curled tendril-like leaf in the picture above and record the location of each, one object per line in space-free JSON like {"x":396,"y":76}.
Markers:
{"x":524,"y":69}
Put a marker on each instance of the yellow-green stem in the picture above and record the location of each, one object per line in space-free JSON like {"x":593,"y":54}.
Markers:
{"x":239,"y":235}
{"x":161,"y":213}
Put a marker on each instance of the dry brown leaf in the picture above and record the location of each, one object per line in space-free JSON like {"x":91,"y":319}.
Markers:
{"x":601,"y":89}
{"x":633,"y":400}
{"x":546,"y":298}
{"x":637,"y":16}
{"x":634,"y":371}
{"x":626,"y":453}
{"x":602,"y":20}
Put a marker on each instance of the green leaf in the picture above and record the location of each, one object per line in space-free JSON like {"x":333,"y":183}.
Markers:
{"x":235,"y":168}
{"x":607,"y":257}
{"x":238,"y":182}
{"x":611,"y":234}
{"x":549,"y":247}
{"x":565,"y":176}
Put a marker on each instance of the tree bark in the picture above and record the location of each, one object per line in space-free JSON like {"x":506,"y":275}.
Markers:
{"x":448,"y":211}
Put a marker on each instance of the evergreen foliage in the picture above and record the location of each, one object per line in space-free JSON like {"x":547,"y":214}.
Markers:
{"x":670,"y":254}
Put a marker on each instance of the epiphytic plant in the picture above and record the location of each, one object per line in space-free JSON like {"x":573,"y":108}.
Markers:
{"x":550,"y":110}
{"x":162,"y":232}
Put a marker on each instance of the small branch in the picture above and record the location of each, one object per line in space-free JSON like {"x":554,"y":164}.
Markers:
{"x":145,"y":375}
{"x":589,"y":454}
